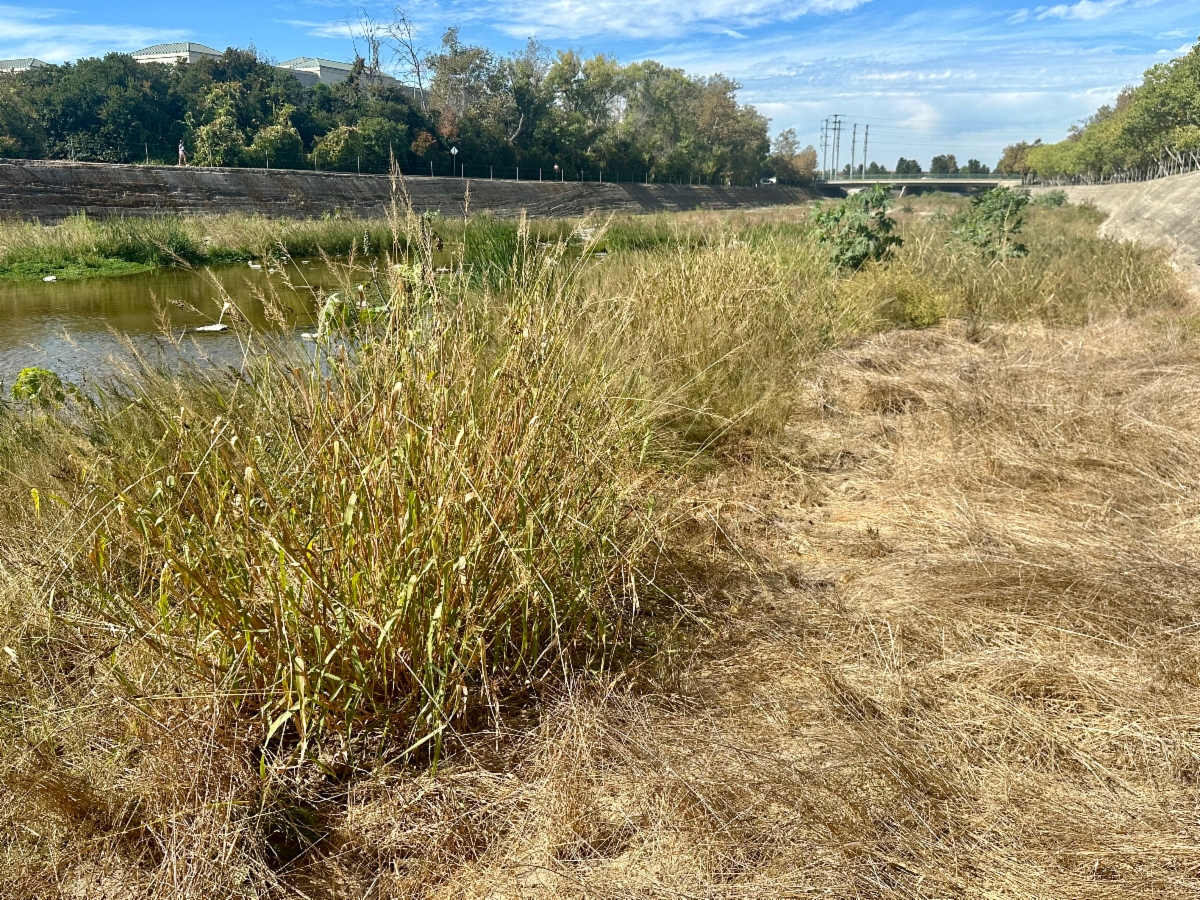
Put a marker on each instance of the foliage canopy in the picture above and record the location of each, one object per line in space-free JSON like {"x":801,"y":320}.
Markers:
{"x":1152,"y":124}
{"x":533,"y":109}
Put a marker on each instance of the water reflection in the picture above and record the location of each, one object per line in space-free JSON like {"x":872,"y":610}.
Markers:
{"x":72,"y":327}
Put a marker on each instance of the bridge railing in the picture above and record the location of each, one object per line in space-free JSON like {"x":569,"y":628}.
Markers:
{"x":924,"y":176}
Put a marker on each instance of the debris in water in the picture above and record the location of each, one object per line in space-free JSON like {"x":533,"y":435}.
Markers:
{"x":256,"y":265}
{"x":306,"y":336}
{"x":50,"y":278}
{"x":211,"y":329}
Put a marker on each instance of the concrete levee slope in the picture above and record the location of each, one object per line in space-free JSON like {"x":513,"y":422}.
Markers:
{"x":1165,"y":211}
{"x":52,"y":190}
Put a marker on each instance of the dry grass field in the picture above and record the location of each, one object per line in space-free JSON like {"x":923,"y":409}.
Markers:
{"x":923,"y":620}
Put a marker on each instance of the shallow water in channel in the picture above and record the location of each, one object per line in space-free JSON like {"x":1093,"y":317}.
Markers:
{"x":74,"y":327}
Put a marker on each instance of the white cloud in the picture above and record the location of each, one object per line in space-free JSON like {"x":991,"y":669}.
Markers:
{"x":574,"y":19}
{"x":43,"y":33}
{"x":1019,"y":16}
{"x":336,"y":29}
{"x":947,"y":75}
{"x":1084,"y":10}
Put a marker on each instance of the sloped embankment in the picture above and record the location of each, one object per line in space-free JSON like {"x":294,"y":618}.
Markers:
{"x":53,"y":190}
{"x":1165,"y":212}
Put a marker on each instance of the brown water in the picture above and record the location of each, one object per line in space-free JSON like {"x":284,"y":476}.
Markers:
{"x":74,"y":327}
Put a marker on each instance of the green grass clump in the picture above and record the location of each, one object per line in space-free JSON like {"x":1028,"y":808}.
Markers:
{"x":406,"y":532}
{"x":69,"y":269}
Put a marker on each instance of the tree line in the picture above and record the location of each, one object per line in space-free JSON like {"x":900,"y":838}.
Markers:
{"x":945,"y":164}
{"x":533,"y":109}
{"x":1152,"y":128}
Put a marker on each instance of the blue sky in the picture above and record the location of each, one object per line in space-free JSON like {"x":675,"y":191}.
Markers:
{"x":929,"y":76}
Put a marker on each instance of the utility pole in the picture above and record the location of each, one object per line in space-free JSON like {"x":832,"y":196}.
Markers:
{"x":853,"y":149}
{"x":825,"y":149}
{"x":837,"y":144}
{"x":866,"y":137}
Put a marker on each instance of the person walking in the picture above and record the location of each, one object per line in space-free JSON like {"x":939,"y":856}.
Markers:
{"x":182,"y":155}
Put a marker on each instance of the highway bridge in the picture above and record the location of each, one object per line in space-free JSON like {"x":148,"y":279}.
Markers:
{"x":923,"y":183}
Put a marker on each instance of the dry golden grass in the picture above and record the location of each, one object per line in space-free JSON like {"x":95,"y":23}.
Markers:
{"x":954,"y":653}
{"x":938,"y":635}
{"x":962,"y":660}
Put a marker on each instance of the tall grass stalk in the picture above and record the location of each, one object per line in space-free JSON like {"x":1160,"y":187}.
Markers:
{"x":416,"y":526}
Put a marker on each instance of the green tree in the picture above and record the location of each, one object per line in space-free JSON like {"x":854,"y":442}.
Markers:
{"x":529,"y":108}
{"x":789,"y":163}
{"x":21,"y":134}
{"x":944,"y":165}
{"x":381,"y":140}
{"x":277,"y":146}
{"x":112,"y":109}
{"x":219,"y":141}
{"x":340,"y":150}
{"x":1014,"y":160}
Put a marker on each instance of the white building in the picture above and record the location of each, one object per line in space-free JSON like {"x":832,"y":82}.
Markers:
{"x":169,"y":54}
{"x":311,"y":70}
{"x":8,"y":66}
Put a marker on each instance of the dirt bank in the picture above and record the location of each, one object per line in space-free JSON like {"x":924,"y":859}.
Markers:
{"x":51,"y":190}
{"x":1166,"y":212}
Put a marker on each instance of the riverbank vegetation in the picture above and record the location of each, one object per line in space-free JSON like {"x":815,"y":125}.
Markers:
{"x":83,"y":247}
{"x":1152,"y":129}
{"x":676,"y":571}
{"x":86,"y":247}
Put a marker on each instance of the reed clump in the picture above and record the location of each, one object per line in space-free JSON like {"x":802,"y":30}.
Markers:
{"x":418,"y":526}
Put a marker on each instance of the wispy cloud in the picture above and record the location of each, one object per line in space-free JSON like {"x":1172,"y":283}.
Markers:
{"x":49,"y":35}
{"x":342,"y":28}
{"x":640,"y":19}
{"x":1084,"y":10}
